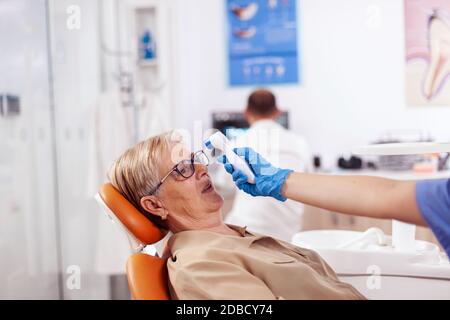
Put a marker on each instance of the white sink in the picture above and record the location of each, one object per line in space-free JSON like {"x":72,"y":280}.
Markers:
{"x":360,"y":257}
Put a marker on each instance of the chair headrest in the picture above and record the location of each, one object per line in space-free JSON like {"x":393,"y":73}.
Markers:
{"x":142,"y":229}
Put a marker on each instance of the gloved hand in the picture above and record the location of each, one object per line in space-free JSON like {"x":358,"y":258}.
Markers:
{"x":268,"y":179}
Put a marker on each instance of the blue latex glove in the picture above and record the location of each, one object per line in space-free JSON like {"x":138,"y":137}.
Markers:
{"x":268,"y":179}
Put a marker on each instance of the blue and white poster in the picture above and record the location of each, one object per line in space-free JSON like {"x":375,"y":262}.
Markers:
{"x":262,"y":42}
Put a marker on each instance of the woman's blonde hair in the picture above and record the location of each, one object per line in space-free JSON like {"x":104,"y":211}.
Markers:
{"x":135,"y":173}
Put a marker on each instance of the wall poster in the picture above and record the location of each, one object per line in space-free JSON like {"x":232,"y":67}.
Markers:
{"x":427,"y":27}
{"x":262,"y":42}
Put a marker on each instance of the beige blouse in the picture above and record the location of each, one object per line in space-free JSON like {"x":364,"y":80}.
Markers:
{"x":208,"y":265}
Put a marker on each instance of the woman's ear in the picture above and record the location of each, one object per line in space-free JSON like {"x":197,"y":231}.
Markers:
{"x":247,"y":116}
{"x":154,"y":206}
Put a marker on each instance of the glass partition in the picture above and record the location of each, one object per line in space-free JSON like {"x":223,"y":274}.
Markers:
{"x":29,"y":224}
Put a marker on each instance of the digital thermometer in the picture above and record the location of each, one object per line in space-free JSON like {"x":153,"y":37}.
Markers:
{"x":220,"y":142}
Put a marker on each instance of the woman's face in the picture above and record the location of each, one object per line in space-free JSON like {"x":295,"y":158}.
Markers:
{"x":190,"y":202}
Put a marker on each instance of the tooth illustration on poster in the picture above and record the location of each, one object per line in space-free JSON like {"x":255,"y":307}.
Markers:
{"x":245,"y":12}
{"x":427,"y":40}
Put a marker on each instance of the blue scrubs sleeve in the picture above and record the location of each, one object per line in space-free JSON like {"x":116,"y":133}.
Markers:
{"x":433,"y":200}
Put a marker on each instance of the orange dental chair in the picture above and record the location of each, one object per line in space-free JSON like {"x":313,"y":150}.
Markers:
{"x":147,"y":275}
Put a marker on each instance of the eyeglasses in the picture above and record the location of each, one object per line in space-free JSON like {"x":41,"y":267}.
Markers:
{"x":185,"y":168}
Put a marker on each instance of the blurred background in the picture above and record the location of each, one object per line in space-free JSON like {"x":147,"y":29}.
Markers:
{"x":82,"y":80}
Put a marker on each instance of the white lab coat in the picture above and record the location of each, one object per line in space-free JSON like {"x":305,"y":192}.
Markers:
{"x":111,"y":133}
{"x":265,"y":215}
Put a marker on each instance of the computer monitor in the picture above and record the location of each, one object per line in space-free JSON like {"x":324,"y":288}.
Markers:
{"x":233,"y":124}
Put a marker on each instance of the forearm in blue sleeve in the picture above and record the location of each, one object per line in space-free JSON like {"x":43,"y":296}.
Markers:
{"x":433,"y":200}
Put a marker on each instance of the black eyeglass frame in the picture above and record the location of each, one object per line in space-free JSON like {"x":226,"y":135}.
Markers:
{"x":194,"y":155}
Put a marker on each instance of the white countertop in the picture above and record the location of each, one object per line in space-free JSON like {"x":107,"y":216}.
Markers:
{"x":404,"y":148}
{"x":399,"y":175}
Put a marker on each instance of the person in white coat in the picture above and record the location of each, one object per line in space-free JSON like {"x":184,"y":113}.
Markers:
{"x":290,"y":150}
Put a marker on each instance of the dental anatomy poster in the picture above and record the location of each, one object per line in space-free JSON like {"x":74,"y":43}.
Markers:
{"x":427,"y":27}
{"x":262,"y":42}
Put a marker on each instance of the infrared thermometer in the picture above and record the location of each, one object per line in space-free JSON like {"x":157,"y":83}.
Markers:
{"x":219,"y":142}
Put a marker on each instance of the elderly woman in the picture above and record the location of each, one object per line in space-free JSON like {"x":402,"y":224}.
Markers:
{"x":207,"y":258}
